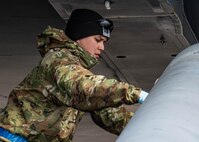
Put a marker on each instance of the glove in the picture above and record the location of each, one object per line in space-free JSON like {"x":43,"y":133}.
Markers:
{"x":143,"y":96}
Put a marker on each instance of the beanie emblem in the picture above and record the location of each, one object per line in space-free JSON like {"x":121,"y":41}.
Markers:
{"x":107,"y":27}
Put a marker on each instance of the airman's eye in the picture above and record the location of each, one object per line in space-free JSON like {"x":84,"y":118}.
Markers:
{"x":98,"y":39}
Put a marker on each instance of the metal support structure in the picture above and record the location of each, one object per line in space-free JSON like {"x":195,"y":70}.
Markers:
{"x":170,"y":112}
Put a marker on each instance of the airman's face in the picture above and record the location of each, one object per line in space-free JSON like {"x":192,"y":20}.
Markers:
{"x":93,"y":44}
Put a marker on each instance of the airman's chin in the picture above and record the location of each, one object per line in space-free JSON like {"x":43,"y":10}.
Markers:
{"x":96,"y":56}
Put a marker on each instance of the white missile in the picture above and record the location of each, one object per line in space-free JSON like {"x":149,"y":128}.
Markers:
{"x":171,"y":111}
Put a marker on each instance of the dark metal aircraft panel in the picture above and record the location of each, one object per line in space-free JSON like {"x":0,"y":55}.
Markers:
{"x":146,"y":37}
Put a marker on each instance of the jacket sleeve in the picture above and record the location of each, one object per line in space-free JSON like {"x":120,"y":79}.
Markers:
{"x":88,"y":92}
{"x":112,"y":119}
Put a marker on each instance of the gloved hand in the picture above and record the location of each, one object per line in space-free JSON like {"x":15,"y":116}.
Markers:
{"x":143,"y":96}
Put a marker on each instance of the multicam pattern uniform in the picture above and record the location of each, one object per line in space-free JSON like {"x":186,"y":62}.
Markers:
{"x":48,"y":104}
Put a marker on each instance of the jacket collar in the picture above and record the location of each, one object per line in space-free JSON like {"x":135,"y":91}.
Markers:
{"x":53,"y":38}
{"x":86,"y":59}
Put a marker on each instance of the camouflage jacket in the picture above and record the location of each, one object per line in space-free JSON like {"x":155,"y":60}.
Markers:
{"x":62,"y":80}
{"x":63,"y":74}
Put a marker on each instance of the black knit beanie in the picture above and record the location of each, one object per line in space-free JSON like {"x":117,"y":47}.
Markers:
{"x":84,"y":22}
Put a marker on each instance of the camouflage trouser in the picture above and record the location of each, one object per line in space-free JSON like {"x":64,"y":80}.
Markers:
{"x":60,"y":124}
